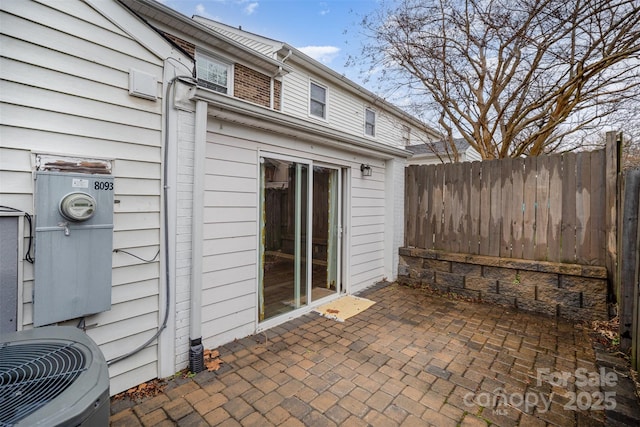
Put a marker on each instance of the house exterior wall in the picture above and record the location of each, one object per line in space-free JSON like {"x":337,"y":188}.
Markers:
{"x":231,"y":213}
{"x":345,"y":110}
{"x":65,"y":92}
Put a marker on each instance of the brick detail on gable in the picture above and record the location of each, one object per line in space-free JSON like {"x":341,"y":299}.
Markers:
{"x":189,"y":48}
{"x":253,"y":86}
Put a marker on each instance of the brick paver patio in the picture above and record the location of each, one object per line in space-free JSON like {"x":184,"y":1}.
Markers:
{"x":410,"y":359}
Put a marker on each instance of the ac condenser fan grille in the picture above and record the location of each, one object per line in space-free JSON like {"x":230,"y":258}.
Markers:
{"x":31,"y":375}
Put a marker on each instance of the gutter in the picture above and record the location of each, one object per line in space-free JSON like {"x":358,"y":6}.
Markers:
{"x":231,"y":109}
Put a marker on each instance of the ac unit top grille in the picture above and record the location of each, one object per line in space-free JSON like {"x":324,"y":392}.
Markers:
{"x":32,"y":374}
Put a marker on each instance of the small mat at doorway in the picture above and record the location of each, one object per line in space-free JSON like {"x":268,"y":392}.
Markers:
{"x":343,"y":308}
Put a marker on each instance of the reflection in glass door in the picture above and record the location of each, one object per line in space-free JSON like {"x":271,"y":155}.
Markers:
{"x":300,"y":221}
{"x":325,"y":226}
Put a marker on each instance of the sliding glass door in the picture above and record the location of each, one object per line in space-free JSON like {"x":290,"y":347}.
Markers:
{"x":300,"y":234}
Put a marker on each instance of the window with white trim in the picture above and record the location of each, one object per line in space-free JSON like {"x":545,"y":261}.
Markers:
{"x":318,"y":100}
{"x":406,"y":135}
{"x":370,"y":122}
{"x":213,"y":73}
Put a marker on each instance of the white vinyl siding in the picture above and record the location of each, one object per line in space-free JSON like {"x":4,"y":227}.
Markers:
{"x":367,"y":228}
{"x":229,"y":241}
{"x":65,"y":71}
{"x":345,"y":112}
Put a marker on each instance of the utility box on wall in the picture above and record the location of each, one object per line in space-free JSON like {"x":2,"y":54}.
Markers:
{"x":73,"y":241}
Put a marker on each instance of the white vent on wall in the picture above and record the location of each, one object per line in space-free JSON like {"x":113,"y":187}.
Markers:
{"x":142,"y":85}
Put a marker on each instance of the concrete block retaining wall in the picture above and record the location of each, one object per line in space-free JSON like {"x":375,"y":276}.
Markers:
{"x":570,"y":291}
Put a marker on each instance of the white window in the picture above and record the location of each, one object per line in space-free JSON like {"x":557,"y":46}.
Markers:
{"x":406,"y":135}
{"x":370,"y":122}
{"x":213,"y":73}
{"x":318,"y":100}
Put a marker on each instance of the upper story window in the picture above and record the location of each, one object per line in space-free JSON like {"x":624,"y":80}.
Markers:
{"x":213,"y":73}
{"x":370,"y":122}
{"x":406,"y":135}
{"x":318,"y":100}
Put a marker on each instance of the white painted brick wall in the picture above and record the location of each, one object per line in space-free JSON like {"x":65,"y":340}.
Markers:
{"x":398,"y":213}
{"x":394,"y":217}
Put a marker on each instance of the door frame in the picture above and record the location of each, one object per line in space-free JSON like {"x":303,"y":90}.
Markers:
{"x":343,"y":174}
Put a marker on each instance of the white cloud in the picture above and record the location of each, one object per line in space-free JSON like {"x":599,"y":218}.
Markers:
{"x":201,"y":10}
{"x":251,"y":8}
{"x":325,"y":9}
{"x":324,"y":54}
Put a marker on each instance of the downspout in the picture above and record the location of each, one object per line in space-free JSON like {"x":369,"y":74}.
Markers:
{"x":272,"y":83}
{"x":196,"y":350}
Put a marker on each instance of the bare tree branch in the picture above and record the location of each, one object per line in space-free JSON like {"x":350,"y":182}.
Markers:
{"x":510,"y":78}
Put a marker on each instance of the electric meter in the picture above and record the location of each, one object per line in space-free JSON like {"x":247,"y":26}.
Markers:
{"x":77,"y":206}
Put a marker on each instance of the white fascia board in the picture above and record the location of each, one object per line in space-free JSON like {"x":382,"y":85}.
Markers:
{"x":238,"y":111}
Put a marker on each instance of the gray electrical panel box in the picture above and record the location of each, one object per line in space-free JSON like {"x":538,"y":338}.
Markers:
{"x":73,"y":242}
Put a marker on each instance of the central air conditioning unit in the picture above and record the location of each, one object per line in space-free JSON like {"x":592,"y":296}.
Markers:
{"x":52,"y":376}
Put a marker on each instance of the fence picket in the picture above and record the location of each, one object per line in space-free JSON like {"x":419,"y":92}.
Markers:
{"x":422,"y":204}
{"x":583,"y":207}
{"x":465,"y":216}
{"x":495,"y":219}
{"x":554,"y":227}
{"x":506,"y":196}
{"x":429,"y":178}
{"x":410,"y":207}
{"x":485,"y":206}
{"x":542,"y":208}
{"x":568,"y":215}
{"x":597,"y":214}
{"x":529,"y":208}
{"x":516,"y":208}
{"x":474,"y":207}
{"x":438,"y":192}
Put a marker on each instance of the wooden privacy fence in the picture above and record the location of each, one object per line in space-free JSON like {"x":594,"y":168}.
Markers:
{"x":558,"y":208}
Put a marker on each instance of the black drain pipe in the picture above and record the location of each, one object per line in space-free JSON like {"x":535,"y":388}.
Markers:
{"x":196,"y":356}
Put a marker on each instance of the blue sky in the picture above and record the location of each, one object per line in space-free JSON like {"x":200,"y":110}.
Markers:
{"x":326,"y":30}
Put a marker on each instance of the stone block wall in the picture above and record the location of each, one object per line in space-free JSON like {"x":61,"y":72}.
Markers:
{"x":570,"y":291}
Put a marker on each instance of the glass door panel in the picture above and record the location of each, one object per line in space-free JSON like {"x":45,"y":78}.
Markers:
{"x":284,"y":243}
{"x":325,"y":226}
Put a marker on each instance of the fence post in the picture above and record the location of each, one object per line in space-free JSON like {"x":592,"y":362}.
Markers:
{"x":612,"y":196}
{"x":635,"y":332}
{"x":628,"y":255}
